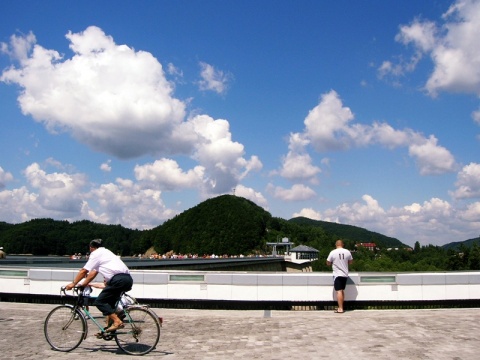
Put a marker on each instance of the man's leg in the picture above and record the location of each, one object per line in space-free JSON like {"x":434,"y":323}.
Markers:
{"x":339,"y":285}
{"x":106,"y":300}
{"x":340,"y":298}
{"x":116,"y":286}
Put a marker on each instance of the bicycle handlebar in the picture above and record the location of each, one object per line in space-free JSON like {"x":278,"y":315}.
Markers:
{"x":75,"y":289}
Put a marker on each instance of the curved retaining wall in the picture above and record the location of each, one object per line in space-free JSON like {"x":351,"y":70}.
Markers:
{"x":260,"y":286}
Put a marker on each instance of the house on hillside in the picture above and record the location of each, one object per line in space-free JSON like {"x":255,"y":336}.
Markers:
{"x":369,"y":246}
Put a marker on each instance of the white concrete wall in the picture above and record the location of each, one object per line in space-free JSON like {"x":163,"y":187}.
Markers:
{"x":260,"y":286}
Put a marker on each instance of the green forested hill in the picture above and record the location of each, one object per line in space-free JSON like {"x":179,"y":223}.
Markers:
{"x":4,"y":226}
{"x":222,"y":225}
{"x":52,"y":237}
{"x":459,"y":244}
{"x":350,"y":232}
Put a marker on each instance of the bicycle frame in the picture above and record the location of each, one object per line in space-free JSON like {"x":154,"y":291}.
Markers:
{"x":66,"y":325}
{"x":82,"y":307}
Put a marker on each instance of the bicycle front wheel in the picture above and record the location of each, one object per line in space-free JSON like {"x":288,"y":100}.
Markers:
{"x":65,"y":328}
{"x":141,"y":332}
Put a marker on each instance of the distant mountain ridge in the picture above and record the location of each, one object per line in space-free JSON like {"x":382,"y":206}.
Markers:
{"x":457,"y":244}
{"x":351,"y":232}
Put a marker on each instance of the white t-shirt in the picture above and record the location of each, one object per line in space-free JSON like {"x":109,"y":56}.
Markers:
{"x":339,"y":259}
{"x":106,"y":263}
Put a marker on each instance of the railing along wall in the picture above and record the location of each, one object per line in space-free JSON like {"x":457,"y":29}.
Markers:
{"x":260,"y":290}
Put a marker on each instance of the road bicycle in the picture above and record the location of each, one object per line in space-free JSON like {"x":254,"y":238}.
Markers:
{"x":66,"y":325}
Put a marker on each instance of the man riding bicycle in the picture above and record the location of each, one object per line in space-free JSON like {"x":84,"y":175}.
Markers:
{"x":117,"y":279}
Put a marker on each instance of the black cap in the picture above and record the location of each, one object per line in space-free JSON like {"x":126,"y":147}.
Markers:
{"x":96,"y":243}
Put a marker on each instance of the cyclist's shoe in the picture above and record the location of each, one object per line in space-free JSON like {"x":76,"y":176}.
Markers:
{"x":99,"y":335}
{"x":114,"y":320}
{"x":115,"y":327}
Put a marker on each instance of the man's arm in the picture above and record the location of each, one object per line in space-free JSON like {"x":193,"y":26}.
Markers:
{"x":91,"y":275}
{"x":98,"y":285}
{"x":329,"y":263}
{"x":84,"y":275}
{"x":81,"y":274}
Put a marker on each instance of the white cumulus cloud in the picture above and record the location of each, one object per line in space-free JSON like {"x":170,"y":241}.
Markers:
{"x":5,"y":177}
{"x":298,"y":192}
{"x":252,"y":195}
{"x":126,"y":202}
{"x":432,"y":159}
{"x":56,"y":191}
{"x":452,"y":46}
{"x":107,"y":96}
{"x":468,"y":182}
{"x":326,"y":123}
{"x":213,"y":79}
{"x":330,"y":126}
{"x":297,"y":164}
{"x":220,"y":155}
{"x":167,"y":174}
{"x":106,"y":167}
{"x":308,"y":213}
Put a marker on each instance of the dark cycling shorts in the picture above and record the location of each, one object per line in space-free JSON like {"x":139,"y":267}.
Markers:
{"x":340,"y":283}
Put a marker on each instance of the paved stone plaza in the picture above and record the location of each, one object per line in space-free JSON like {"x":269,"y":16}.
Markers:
{"x":217,"y":335}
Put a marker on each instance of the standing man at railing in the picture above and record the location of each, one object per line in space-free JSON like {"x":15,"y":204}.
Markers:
{"x":117,"y":280}
{"x":339,"y":259}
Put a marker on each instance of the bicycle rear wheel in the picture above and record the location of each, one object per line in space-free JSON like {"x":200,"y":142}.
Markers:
{"x":141,"y":333}
{"x":65,"y":328}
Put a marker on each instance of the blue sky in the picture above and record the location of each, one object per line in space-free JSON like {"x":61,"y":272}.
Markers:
{"x":363,"y":113}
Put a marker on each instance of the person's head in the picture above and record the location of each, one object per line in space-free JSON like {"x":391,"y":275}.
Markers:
{"x":95,"y":244}
{"x":339,"y":243}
